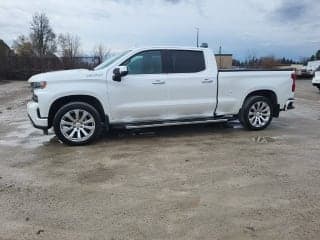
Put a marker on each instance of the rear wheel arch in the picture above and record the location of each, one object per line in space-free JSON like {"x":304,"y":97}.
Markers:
{"x":256,"y":113}
{"x":60,"y":102}
{"x":271,"y":95}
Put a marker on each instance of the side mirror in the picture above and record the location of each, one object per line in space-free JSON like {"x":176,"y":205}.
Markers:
{"x":119,"y":72}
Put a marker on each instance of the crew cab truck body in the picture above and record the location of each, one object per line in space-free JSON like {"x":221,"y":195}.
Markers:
{"x":157,"y":86}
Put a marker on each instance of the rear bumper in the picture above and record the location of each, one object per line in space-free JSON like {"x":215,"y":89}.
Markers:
{"x":289,"y":105}
{"x":33,"y":114}
{"x":316,"y":84}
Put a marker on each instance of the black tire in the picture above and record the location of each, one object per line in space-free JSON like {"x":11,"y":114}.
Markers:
{"x":264,"y":118}
{"x":92,"y":115}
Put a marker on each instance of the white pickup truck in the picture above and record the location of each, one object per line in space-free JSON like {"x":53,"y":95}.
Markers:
{"x":309,"y":70}
{"x":152,"y":87}
{"x":316,"y":78}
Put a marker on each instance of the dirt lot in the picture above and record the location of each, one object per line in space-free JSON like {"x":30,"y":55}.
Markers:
{"x":192,"y":182}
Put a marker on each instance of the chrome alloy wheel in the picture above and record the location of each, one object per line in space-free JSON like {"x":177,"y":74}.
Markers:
{"x":259,"y":114}
{"x":77,"y":125}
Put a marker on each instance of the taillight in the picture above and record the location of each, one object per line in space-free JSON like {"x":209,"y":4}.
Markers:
{"x":294,"y":78}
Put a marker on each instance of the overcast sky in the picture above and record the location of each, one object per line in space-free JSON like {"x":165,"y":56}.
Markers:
{"x":288,"y":28}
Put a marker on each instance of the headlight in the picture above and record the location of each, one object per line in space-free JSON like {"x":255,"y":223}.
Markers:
{"x":37,"y":85}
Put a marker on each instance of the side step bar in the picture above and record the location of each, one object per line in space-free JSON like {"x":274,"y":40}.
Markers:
{"x":151,"y":125}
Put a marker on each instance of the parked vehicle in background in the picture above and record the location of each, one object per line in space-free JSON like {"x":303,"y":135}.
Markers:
{"x":316,"y":79}
{"x":309,"y":70}
{"x":152,"y":87}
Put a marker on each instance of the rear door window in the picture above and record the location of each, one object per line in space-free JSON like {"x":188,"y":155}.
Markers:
{"x":185,"y":61}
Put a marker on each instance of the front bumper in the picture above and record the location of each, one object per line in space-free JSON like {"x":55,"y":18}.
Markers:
{"x":36,"y":120}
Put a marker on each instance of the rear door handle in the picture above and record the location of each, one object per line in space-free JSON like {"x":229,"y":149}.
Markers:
{"x":207,"y":81}
{"x":158,"y":82}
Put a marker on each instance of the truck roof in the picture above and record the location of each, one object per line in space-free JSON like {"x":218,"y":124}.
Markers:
{"x":169,"y":48}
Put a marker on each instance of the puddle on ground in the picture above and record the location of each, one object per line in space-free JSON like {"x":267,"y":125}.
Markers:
{"x":26,"y":136}
{"x":263,"y":139}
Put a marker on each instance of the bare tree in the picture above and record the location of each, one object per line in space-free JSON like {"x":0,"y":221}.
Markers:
{"x":42,"y":36}
{"x":102,"y":52}
{"x":251,"y":58}
{"x":22,"y":46}
{"x":69,"y":45}
{"x":269,"y":62}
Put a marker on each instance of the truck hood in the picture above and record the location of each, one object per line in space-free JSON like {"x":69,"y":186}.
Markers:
{"x":67,"y":75}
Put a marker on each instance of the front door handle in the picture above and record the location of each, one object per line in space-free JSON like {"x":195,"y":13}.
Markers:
{"x":207,"y":81}
{"x":158,"y":82}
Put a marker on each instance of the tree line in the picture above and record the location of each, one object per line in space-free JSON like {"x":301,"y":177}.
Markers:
{"x":42,"y":50}
{"x":314,"y":57}
{"x":42,"y":41}
{"x":264,"y":62}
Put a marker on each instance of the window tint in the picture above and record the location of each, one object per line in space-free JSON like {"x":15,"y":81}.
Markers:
{"x":149,"y":62}
{"x":181,"y":61}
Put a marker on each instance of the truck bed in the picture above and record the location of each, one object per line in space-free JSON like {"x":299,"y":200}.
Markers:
{"x":234,"y":85}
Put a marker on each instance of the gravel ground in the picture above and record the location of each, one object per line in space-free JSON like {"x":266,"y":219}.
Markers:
{"x":191,"y":182}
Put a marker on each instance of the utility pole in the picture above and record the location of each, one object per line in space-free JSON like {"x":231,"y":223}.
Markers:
{"x":198,"y":29}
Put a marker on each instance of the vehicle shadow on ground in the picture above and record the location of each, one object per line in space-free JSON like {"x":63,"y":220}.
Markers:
{"x":28,"y":137}
{"x":171,"y":131}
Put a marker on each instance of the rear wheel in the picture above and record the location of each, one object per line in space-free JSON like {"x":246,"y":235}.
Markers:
{"x":256,"y":113}
{"x":77,"y":123}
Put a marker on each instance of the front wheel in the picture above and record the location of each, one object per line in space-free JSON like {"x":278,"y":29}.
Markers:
{"x":77,"y":123}
{"x":256,"y":113}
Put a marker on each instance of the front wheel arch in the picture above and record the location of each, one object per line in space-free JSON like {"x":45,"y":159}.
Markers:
{"x":60,"y":102}
{"x":91,"y":125}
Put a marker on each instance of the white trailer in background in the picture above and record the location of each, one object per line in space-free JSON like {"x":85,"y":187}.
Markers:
{"x":316,"y":78}
{"x":309,"y":70}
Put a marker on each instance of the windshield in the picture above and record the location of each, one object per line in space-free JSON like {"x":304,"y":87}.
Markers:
{"x":111,"y":60}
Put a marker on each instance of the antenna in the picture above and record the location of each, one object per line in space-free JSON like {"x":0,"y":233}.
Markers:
{"x":220,"y":52}
{"x":198,"y":30}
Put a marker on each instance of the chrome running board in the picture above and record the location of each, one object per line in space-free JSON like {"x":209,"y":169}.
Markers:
{"x":176,"y":123}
